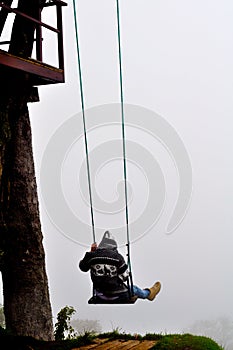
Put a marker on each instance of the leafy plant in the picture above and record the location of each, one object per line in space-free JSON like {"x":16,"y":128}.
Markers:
{"x":2,"y":317}
{"x":62,"y":326}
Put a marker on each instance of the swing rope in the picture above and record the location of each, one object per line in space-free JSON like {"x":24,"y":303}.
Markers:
{"x":123,"y":144}
{"x":83,"y":117}
{"x":123,"y":133}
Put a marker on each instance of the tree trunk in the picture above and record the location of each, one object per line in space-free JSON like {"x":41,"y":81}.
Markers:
{"x":22,"y":260}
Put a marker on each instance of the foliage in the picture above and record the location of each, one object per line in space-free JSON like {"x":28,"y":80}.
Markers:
{"x":115,"y":334}
{"x":86,"y":326}
{"x":2,"y":317}
{"x":86,"y":338}
{"x":186,"y":342}
{"x":62,"y":326}
{"x":153,"y":336}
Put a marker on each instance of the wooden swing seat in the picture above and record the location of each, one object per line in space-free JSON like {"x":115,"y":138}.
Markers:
{"x":124,"y":298}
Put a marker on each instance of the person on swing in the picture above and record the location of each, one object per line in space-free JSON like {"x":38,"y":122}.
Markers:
{"x":109,"y":271}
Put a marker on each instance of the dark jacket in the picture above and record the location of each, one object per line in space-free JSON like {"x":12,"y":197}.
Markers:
{"x":106,"y":266}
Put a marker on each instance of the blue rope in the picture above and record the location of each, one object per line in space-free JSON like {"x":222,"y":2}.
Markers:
{"x":84,"y":121}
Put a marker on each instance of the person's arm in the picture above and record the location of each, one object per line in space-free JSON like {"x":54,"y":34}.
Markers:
{"x":84,"y":263}
{"x":122,"y":266}
{"x":93,"y":247}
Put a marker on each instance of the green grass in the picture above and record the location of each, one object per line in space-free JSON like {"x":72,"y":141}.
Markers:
{"x":186,"y":342}
{"x":164,"y":342}
{"x":125,"y":336}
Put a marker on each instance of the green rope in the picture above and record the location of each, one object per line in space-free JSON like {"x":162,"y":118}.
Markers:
{"x":123,"y":130}
{"x":123,"y":139}
{"x":83,"y":117}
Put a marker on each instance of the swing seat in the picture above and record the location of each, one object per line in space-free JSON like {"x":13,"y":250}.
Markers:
{"x":123,"y":298}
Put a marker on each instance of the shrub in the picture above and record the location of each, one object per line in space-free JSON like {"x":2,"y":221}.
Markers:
{"x":186,"y":342}
{"x":62,"y":326}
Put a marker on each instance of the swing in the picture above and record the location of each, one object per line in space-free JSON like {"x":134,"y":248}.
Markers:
{"x":126,"y":297}
{"x":123,"y":298}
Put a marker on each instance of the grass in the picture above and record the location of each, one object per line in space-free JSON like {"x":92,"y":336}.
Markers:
{"x":164,"y":342}
{"x":125,"y":336}
{"x":186,"y":342}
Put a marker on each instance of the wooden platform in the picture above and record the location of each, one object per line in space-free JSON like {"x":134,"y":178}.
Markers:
{"x":39,"y":73}
{"x":106,"y":344}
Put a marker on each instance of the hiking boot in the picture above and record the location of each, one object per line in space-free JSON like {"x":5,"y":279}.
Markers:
{"x":154,"y":290}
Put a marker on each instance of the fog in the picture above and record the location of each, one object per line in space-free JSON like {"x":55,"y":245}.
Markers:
{"x":177,"y":62}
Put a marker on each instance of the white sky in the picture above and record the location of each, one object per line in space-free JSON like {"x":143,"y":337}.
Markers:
{"x":177,"y":61}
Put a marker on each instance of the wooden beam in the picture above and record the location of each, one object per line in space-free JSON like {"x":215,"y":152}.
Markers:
{"x":3,"y":16}
{"x":44,"y":72}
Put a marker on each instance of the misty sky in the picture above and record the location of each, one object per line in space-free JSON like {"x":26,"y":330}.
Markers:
{"x":177,"y":62}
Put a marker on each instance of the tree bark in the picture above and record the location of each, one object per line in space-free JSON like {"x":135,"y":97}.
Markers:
{"x":22,"y":259}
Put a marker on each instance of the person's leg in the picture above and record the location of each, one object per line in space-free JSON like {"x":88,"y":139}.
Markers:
{"x":147,"y":293}
{"x":141,"y":293}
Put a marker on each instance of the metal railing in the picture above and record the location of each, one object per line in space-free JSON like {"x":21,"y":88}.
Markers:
{"x":39,"y":24}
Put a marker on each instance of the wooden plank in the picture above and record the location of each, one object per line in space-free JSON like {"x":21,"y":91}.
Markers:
{"x":128,"y":345}
{"x":109,"y":345}
{"x":120,"y":344}
{"x":28,"y":65}
{"x":96,"y":343}
{"x":17,"y":12}
{"x":145,"y":344}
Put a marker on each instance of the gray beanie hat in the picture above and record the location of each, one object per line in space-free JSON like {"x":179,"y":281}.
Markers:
{"x":107,"y":242}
